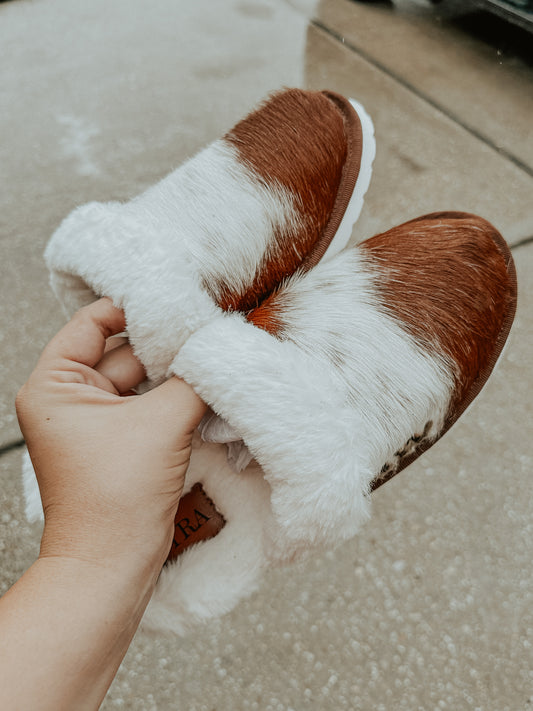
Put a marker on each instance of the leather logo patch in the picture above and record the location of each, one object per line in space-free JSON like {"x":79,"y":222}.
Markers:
{"x":197,"y":519}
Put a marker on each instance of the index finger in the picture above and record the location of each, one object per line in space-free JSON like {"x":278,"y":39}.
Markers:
{"x":83,"y":338}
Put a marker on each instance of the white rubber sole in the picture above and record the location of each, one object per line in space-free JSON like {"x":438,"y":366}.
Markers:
{"x":344,"y":232}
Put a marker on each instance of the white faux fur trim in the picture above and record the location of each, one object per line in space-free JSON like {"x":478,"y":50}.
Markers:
{"x":326,"y":405}
{"x":284,"y":407}
{"x":162,"y":255}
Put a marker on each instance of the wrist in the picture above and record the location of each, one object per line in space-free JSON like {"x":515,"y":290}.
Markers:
{"x":124,"y":586}
{"x":139,"y":553}
{"x":71,"y":621}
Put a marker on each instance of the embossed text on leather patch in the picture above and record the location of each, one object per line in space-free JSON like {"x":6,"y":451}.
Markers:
{"x":197,"y":519}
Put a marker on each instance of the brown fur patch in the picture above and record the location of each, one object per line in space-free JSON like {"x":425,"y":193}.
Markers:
{"x":295,"y":140}
{"x":445,"y":278}
{"x":268,"y":315}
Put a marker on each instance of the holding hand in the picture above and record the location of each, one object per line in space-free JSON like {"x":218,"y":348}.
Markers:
{"x":111,"y":467}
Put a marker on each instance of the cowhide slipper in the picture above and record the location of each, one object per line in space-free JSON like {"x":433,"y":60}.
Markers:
{"x":336,"y":382}
{"x":275,"y":195}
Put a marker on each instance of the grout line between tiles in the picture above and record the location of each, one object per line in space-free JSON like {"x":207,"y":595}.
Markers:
{"x":522,"y":243}
{"x":10,"y":446}
{"x":410,"y":87}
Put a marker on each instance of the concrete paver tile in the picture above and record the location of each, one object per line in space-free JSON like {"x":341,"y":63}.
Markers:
{"x":488,"y":90}
{"x":19,"y":540}
{"x":424,"y":160}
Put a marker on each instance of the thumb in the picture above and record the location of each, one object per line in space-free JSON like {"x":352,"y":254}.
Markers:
{"x":176,"y":402}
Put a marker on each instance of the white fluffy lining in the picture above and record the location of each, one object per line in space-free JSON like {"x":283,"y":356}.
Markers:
{"x":210,"y":578}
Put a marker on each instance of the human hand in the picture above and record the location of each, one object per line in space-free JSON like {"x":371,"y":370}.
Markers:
{"x":110,"y":467}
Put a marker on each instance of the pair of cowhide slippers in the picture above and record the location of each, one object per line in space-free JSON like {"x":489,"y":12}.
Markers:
{"x":327,"y":368}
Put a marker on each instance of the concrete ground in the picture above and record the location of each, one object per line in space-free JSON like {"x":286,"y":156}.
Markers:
{"x":430,"y":607}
